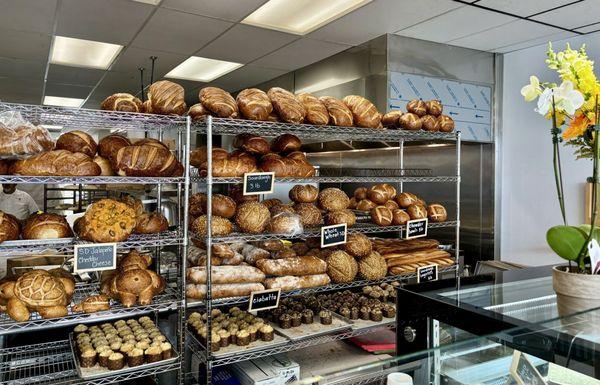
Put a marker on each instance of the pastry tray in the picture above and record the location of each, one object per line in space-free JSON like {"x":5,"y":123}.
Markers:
{"x":233,"y":349}
{"x":97,"y":371}
{"x":361,"y":324}
{"x":304,"y":331}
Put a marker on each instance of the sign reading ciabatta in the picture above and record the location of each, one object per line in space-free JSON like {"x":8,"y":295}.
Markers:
{"x":416,"y":228}
{"x":264,"y":300}
{"x":95,"y":257}
{"x":427,"y":273}
{"x":333,"y":235}
{"x":256,"y":183}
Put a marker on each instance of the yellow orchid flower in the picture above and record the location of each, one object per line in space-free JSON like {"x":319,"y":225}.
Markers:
{"x":531,"y":91}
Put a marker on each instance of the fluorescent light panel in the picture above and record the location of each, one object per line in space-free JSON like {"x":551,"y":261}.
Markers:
{"x":73,"y":52}
{"x":153,"y":2}
{"x":62,"y":102}
{"x":202,"y":69}
{"x":301,"y":16}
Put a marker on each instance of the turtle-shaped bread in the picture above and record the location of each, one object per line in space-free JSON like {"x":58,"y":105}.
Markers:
{"x":40,"y":291}
{"x":107,"y":220}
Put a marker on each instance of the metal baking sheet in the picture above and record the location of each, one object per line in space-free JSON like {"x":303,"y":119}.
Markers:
{"x":97,"y":371}
{"x":253,"y":346}
{"x":304,"y":331}
{"x":361,"y":324}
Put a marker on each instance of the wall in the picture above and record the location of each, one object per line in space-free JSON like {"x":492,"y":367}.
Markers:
{"x":528,"y":199}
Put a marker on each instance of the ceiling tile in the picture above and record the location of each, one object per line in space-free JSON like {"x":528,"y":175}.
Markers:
{"x":299,"y":54}
{"x":535,"y":42}
{"x":589,"y":28}
{"x":24,"y":45}
{"x":134,"y":58}
{"x":114,"y":82}
{"x":504,"y":35}
{"x":179,"y":32}
{"x":28,"y":15}
{"x":523,"y":8}
{"x":380,"y":17}
{"x":244,"y":43}
{"x":233,"y":10}
{"x":455,"y":24}
{"x":22,"y":69}
{"x":21,"y":90}
{"x":74,"y":75}
{"x":247,"y":76}
{"x":573,"y":16}
{"x":109,"y":21}
{"x":68,"y":90}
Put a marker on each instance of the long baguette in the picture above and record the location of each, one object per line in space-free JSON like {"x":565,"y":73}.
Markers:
{"x":417,"y":256}
{"x":226,"y":274}
{"x":293,"y":266}
{"x":198,"y":291}
{"x":384,"y":246}
{"x":396,"y":270}
{"x":289,"y":282}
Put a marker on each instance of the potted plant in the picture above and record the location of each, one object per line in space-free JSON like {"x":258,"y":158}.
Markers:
{"x":574,"y":105}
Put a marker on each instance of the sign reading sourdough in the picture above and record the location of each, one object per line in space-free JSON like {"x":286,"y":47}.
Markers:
{"x":95,"y":257}
{"x":258,"y":183}
{"x":333,"y":235}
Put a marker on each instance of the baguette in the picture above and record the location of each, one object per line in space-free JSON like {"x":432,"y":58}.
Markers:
{"x":396,"y":270}
{"x":293,"y":266}
{"x":198,"y":291}
{"x":385,"y":246}
{"x":225,"y":274}
{"x":289,"y":282}
{"x":414,"y":257}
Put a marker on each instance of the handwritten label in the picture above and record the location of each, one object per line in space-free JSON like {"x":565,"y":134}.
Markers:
{"x":524,"y":372}
{"x":427,"y":273}
{"x":95,"y":257}
{"x":333,"y":235}
{"x":416,"y":228}
{"x":256,"y":183}
{"x":264,"y":300}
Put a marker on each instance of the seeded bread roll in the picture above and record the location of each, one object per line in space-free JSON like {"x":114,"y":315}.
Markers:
{"x":219,"y":227}
{"x":341,"y":267}
{"x":436,"y":212}
{"x":288,"y":107}
{"x":373,"y":266}
{"x":434,"y":107}
{"x":358,"y":245}
{"x":416,"y":211}
{"x":252,"y":217}
{"x":219,"y":102}
{"x":364,"y":113}
{"x":381,"y":215}
{"x":338,"y":217}
{"x":333,"y":199}
{"x":316,"y":112}
{"x":304,"y":193}
{"x":254,"y":104}
{"x":410,"y":121}
{"x":339,"y":113}
{"x":417,"y":107}
{"x":77,"y":141}
{"x":310,"y":215}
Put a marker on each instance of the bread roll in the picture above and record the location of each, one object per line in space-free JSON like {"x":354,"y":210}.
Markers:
{"x":341,"y":267}
{"x":316,"y":112}
{"x":410,"y":121}
{"x":223,"y":206}
{"x":219,"y":226}
{"x":219,"y":102}
{"x":111,"y":144}
{"x":352,"y":204}
{"x":77,"y":141}
{"x":56,"y":163}
{"x":46,"y":226}
{"x":417,"y":107}
{"x":333,"y":199}
{"x":381,"y":215}
{"x":392,"y":205}
{"x":253,"y":144}
{"x":286,"y":143}
{"x":285,"y":223}
{"x":252,"y":217}
{"x":304,"y":193}
{"x":365,"y":205}
{"x":406,"y":199}
{"x":360,"y":193}
{"x":289,"y":282}
{"x":292,"y":266}
{"x":392,"y":118}
{"x":358,"y":245}
{"x":436,"y":212}
{"x":399,"y":217}
{"x":310,"y":215}
{"x":339,"y":113}
{"x":288,"y":107}
{"x":373,"y":266}
{"x":9,"y":227}
{"x":390,"y":189}
{"x":446,"y":123}
{"x":364,"y":113}
{"x":430,"y":123}
{"x":151,"y":223}
{"x":167,"y":98}
{"x":416,"y":211}
{"x":197,"y":111}
{"x":338,"y":217}
{"x":254,"y":104}
{"x":434,"y":107}
{"x":378,"y":194}
{"x":105,"y":166}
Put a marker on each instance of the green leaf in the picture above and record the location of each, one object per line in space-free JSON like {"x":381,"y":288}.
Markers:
{"x":586,"y":229}
{"x":566,"y":241}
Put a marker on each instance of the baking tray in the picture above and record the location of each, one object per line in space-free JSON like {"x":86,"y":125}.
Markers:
{"x":315,"y":329}
{"x":253,"y":346}
{"x":361,"y":324}
{"x":97,"y":371}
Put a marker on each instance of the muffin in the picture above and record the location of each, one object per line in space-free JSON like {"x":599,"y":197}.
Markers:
{"x":325,"y":317}
{"x":285,"y":321}
{"x":153,"y":354}
{"x":81,"y":328}
{"x":87,"y":359}
{"x":365,"y":314}
{"x":116,"y":361}
{"x":266,"y":333}
{"x":389,"y":311}
{"x":215,"y":342}
{"x":376,"y":315}
{"x":135,"y":357}
{"x":296,"y":319}
{"x":307,"y":316}
{"x":224,"y":334}
{"x":354,"y":313}
{"x":103,"y":357}
{"x":242,"y":338}
{"x":166,"y":350}
{"x":253,"y":331}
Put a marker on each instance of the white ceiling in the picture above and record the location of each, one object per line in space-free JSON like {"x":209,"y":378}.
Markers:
{"x":173,"y":30}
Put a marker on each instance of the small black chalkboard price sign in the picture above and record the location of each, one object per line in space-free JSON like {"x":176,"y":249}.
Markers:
{"x":416,"y":228}
{"x":95,"y":257}
{"x":264,"y":300}
{"x":333,"y":235}
{"x":524,"y":372}
{"x":256,"y":183}
{"x":427,"y":273}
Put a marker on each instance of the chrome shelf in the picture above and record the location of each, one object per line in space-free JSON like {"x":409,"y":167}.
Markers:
{"x":364,"y":228}
{"x":53,"y":363}
{"x":168,"y":300}
{"x":225,"y":126}
{"x":23,"y":179}
{"x":343,"y":179}
{"x":320,"y":289}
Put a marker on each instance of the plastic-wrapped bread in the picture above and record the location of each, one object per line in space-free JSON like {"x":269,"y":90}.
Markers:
{"x":198,"y":291}
{"x":293,"y":266}
{"x":289,"y":282}
{"x":225,"y":274}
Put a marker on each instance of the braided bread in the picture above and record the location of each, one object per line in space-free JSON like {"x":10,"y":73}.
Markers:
{"x":339,"y":113}
{"x":219,"y":102}
{"x":122,"y":102}
{"x":254,"y":104}
{"x":287,"y":106}
{"x":364,"y":112}
{"x":316,"y":112}
{"x":56,"y":163}
{"x":167,"y":98}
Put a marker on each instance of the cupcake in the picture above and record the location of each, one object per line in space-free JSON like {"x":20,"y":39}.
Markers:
{"x":389,"y":311}
{"x":325,"y":316}
{"x":253,"y":331}
{"x":126,"y":347}
{"x":215,"y":342}
{"x":160,"y":338}
{"x":308,"y":316}
{"x":285,"y":321}
{"x":116,"y":361}
{"x":103,"y":357}
{"x":345,"y":312}
{"x":153,"y":354}
{"x":135,"y":357}
{"x":242,"y":338}
{"x":365,"y":314}
{"x":166,"y":350}
{"x":376,"y":315}
{"x":87,"y":358}
{"x":296,"y":319}
{"x":81,"y":328}
{"x":354,"y":313}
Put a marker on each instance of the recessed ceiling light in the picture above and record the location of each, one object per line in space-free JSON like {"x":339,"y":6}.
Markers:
{"x":83,"y":53}
{"x":63,"y":102}
{"x":202,"y":69}
{"x":153,"y":2}
{"x":300,"y":16}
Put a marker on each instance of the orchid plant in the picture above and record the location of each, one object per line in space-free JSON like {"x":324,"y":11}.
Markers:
{"x":574,"y":104}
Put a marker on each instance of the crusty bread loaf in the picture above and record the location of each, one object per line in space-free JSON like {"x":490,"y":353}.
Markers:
{"x":292,"y":165}
{"x":434,"y":107}
{"x":151,"y":223}
{"x":197,"y":111}
{"x":145,"y":160}
{"x":167,"y":98}
{"x":417,"y":107}
{"x":289,"y":282}
{"x":226,"y":274}
{"x":287,"y":106}
{"x":105,"y":166}
{"x":286,"y":143}
{"x":122,"y":102}
{"x":364,"y":113}
{"x":430,"y":123}
{"x":9,"y":227}
{"x":77,"y":141}
{"x":253,"y":144}
{"x":392,"y":118}
{"x":219,"y":102}
{"x":46,"y":226}
{"x":198,"y":291}
{"x":304,"y":193}
{"x":56,"y":163}
{"x":254,"y":104}
{"x":410,"y":121}
{"x":446,"y":123}
{"x":111,"y":144}
{"x":316,"y":112}
{"x":292,"y":266}
{"x":339,"y":113}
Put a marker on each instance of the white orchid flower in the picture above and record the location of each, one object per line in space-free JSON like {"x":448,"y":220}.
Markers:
{"x":532,"y":90}
{"x":566,"y":99}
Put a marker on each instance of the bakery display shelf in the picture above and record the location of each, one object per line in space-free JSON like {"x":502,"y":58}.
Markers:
{"x":22,"y":179}
{"x":364,"y":228}
{"x":344,"y":179}
{"x":166,"y":301}
{"x":292,"y":345}
{"x":226,"y":126}
{"x":65,"y":118}
{"x":320,"y":289}
{"x":53,"y":363}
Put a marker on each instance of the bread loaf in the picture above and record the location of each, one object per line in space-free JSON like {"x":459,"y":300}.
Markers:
{"x":198,"y":291}
{"x":24,"y":140}
{"x":46,"y":226}
{"x":373,"y":266}
{"x":410,"y":121}
{"x":304,"y":193}
{"x":333,"y":199}
{"x":287,"y":106}
{"x":289,"y":282}
{"x":364,"y":113}
{"x":145,"y":160}
{"x":339,"y":113}
{"x":292,"y":165}
{"x":197,"y":111}
{"x":316,"y":112}
{"x":285,"y":223}
{"x":417,"y":107}
{"x":105,"y":166}
{"x":381,"y":215}
{"x":111,"y":144}
{"x":253,"y":144}
{"x":225,"y":274}
{"x":434,"y":107}
{"x":122,"y":102}
{"x":338,"y":217}
{"x":107,"y":220}
{"x":430,"y":123}
{"x":310,"y":215}
{"x":414,"y":257}
{"x":292,"y":266}
{"x":219,"y":226}
{"x":436,"y":212}
{"x":56,"y":163}
{"x":254,"y":104}
{"x":358,"y":245}
{"x":9,"y":227}
{"x":341,"y":267}
{"x":167,"y":98}
{"x":446,"y":123}
{"x":151,"y":142}
{"x":286,"y":143}
{"x":77,"y":141}
{"x":151,"y":223}
{"x":388,"y":245}
{"x":252,"y":217}
{"x":219,"y":102}
{"x":222,"y":206}
{"x":392,"y":118}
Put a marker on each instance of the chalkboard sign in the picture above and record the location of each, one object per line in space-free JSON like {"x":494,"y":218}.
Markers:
{"x":333,"y":235}
{"x":524,"y":372}
{"x":416,"y":228}
{"x":95,"y":257}
{"x":427,"y":273}
{"x":256,"y":183}
{"x":264,"y":300}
